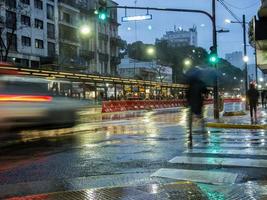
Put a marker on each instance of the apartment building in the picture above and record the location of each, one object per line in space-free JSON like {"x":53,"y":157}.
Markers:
{"x":180,"y":37}
{"x":48,"y":34}
{"x":95,"y":52}
{"x":29,"y":31}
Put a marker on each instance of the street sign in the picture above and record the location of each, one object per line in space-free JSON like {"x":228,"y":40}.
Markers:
{"x":136,"y":18}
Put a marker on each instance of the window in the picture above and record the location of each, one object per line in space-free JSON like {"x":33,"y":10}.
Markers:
{"x":39,"y":44}
{"x":12,"y":41}
{"x":25,"y":2}
{"x":38,"y":4}
{"x":39,"y":24}
{"x":66,"y":17}
{"x":51,"y":48}
{"x":26,"y":41}
{"x":11,"y":21}
{"x":50,"y":12}
{"x":11,"y":3}
{"x":25,"y":20}
{"x":50,"y":31}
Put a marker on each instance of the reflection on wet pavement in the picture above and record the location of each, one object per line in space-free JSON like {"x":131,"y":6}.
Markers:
{"x":119,"y":151}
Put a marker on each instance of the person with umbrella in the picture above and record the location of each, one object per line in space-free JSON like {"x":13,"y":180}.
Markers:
{"x":195,"y":96}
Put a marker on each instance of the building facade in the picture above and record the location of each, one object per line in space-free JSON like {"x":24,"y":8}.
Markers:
{"x":29,"y":31}
{"x":48,"y":34}
{"x":236,"y":59}
{"x":150,"y":71}
{"x":180,"y":37}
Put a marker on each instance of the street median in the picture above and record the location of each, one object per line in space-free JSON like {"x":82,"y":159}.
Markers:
{"x":236,"y":126}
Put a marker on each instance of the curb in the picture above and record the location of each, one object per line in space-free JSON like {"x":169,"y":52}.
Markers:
{"x":232,"y":114}
{"x":235,"y":126}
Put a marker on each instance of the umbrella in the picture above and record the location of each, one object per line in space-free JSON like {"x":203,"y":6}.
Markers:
{"x":193,"y":73}
{"x":209,"y":76}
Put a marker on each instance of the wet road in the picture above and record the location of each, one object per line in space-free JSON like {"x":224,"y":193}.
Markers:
{"x":123,"y":144}
{"x":115,"y":150}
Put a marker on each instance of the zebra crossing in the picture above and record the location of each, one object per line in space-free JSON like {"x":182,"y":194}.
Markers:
{"x":221,"y":150}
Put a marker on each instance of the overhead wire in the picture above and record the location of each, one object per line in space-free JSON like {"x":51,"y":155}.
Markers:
{"x":241,"y":8}
{"x":229,"y":10}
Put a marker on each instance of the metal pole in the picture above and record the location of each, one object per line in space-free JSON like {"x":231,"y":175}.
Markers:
{"x":216,"y":89}
{"x":256,"y":67}
{"x":245,"y":55}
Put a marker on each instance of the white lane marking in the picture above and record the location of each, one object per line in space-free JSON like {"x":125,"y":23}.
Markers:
{"x":238,"y":137}
{"x":237,"y":152}
{"x":233,"y":162}
{"x":231,"y":145}
{"x":202,"y":176}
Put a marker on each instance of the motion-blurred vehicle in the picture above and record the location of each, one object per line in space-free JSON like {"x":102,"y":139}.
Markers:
{"x":27,"y":102}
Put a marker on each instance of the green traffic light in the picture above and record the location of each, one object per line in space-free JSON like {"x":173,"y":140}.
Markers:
{"x":102,"y":16}
{"x":213,"y":59}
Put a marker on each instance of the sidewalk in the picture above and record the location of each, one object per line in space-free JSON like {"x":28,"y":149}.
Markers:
{"x":243,"y":121}
{"x":180,"y":190}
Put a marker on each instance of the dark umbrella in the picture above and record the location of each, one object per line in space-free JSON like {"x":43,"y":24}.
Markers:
{"x":193,"y":74}
{"x":208,"y":75}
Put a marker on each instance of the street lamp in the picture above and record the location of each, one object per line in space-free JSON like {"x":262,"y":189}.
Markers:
{"x":227,"y":21}
{"x":187,"y":62}
{"x":151,"y":51}
{"x":246,"y":59}
{"x":261,"y":79}
{"x":85,"y":30}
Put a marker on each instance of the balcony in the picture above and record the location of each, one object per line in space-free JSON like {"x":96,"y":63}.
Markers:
{"x":115,"y":41}
{"x":87,"y":54}
{"x":115,"y":60}
{"x":103,"y":57}
{"x":69,"y":4}
{"x":103,"y":36}
{"x":68,"y":34}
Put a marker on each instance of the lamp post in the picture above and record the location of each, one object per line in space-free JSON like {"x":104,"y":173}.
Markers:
{"x":245,"y":57}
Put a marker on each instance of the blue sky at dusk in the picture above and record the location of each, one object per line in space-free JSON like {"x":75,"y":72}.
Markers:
{"x":162,"y":22}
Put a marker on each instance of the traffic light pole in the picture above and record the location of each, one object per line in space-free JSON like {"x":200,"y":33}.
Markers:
{"x":245,"y":55}
{"x":216,"y":111}
{"x":212,"y":17}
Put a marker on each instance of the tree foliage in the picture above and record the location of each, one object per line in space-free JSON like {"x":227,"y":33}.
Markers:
{"x":175,"y":57}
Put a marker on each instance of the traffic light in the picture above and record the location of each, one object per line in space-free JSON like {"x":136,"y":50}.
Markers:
{"x":102,"y":11}
{"x":213,"y":57}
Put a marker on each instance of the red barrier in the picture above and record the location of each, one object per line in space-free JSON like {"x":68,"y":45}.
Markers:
{"x":120,"y":106}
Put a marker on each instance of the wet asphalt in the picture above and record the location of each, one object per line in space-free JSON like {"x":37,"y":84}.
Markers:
{"x":108,"y":150}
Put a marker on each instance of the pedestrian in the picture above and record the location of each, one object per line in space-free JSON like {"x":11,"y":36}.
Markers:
{"x":263,"y":98}
{"x":253,"y":98}
{"x":195,"y":100}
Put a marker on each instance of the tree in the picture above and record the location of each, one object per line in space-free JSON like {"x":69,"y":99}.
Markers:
{"x":9,"y":27}
{"x":122,"y":44}
{"x":161,"y":72}
{"x":138,"y":51}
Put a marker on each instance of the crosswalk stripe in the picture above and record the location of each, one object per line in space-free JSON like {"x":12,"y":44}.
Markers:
{"x":231,"y":145}
{"x":202,"y":176}
{"x":236,"y":152}
{"x":233,"y":162}
{"x":237,"y":137}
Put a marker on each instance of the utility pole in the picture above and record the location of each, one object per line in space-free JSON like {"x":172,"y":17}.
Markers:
{"x":215,"y":89}
{"x":256,"y":66}
{"x":245,"y":52}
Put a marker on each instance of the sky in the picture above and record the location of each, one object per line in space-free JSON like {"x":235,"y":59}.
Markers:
{"x":148,"y":31}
